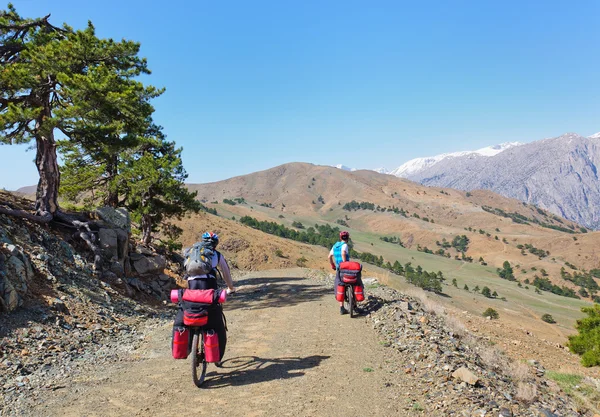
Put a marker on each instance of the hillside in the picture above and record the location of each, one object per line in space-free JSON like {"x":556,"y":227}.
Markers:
{"x":558,"y":174}
{"x":317,"y":194}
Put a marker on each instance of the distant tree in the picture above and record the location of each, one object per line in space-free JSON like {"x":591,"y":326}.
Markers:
{"x":476,"y":289}
{"x":491,"y":313}
{"x":485,"y":291}
{"x":548,"y":318}
{"x":466,"y":287}
{"x":494,"y":294}
{"x":454,"y":283}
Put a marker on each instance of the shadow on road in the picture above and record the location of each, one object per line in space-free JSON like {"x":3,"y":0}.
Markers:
{"x":248,"y":370}
{"x":259,"y":293}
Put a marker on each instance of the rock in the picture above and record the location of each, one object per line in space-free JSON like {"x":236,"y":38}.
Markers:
{"x":546,"y":413}
{"x":109,"y":276}
{"x":465,"y":375}
{"x":505,"y":412}
{"x":115,"y":217}
{"x":108,"y":242}
{"x":20,"y":271}
{"x":369,"y":281}
{"x":150,"y":265}
{"x":57,"y":304}
{"x":406,"y":306}
{"x":10,"y":299}
{"x":117,"y":269}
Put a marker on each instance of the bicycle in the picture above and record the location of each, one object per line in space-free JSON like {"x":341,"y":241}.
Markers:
{"x":198,"y":352}
{"x":349,"y":300}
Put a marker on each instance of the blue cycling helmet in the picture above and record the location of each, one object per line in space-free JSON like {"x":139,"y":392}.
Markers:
{"x":211,"y":237}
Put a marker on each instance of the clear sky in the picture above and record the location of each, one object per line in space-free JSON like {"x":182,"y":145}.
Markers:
{"x":254,"y":84}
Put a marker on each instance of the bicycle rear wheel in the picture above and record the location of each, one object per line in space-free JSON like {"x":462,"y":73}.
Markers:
{"x":349,"y":297}
{"x":198,"y":358}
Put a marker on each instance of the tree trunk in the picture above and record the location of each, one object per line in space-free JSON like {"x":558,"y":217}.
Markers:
{"x":47,"y":165}
{"x":146,"y":229}
{"x":112,"y":196}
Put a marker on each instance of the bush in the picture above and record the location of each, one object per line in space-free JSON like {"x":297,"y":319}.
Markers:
{"x":548,"y":318}
{"x":301,"y":262}
{"x":491,"y":313}
{"x":587,"y":342}
{"x":279,"y":253}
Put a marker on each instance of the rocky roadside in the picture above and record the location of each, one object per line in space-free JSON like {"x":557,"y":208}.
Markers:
{"x":44,"y":349}
{"x":459,"y":373}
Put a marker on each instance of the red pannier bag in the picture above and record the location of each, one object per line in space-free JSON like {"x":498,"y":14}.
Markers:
{"x":211,"y":347}
{"x":359,"y":293}
{"x":339,"y":293}
{"x":350,"y":272}
{"x":180,"y":343}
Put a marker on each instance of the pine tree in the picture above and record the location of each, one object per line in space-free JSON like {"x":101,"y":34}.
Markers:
{"x":71,"y":81}
{"x":152,"y":183}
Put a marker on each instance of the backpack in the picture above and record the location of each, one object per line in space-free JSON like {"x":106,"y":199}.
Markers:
{"x":198,"y":259}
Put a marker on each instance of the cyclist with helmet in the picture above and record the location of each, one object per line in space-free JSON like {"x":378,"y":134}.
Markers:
{"x":340,"y":252}
{"x":208,"y":281}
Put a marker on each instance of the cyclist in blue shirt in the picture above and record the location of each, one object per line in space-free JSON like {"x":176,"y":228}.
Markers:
{"x":339,"y":253}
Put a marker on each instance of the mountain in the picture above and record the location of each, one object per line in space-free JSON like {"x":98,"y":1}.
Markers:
{"x":344,"y":167}
{"x":417,"y":165}
{"x":495,"y":225}
{"x":557,"y":174}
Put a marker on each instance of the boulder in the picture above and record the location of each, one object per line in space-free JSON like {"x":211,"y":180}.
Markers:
{"x":108,"y":242}
{"x":150,"y":265}
{"x":9,"y":297}
{"x":465,"y":375}
{"x":118,"y":218}
{"x":122,"y":244}
{"x":117,"y":269}
{"x":20,"y":273}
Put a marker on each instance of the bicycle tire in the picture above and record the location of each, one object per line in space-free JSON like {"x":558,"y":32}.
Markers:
{"x":198,"y":358}
{"x":349,"y":300}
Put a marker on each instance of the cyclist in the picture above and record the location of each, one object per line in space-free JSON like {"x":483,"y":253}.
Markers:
{"x":216,"y":319}
{"x":339,"y":253}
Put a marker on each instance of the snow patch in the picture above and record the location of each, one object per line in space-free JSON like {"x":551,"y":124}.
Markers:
{"x":419,"y":164}
{"x":344,"y":167}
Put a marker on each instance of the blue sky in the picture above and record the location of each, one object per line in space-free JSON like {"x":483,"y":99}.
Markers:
{"x":366,"y":84}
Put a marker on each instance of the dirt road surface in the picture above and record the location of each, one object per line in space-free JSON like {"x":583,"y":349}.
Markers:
{"x":290,"y":353}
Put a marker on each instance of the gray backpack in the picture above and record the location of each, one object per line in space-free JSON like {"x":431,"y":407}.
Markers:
{"x":198,"y":259}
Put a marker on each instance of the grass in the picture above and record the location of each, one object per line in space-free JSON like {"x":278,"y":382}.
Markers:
{"x":368,"y":370}
{"x":417,"y":407}
{"x":581,"y":389}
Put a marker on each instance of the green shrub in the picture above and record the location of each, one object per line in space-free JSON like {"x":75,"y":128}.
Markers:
{"x":491,"y":313}
{"x":279,"y":253}
{"x":548,"y":318}
{"x":587,"y":342}
{"x":301,"y":262}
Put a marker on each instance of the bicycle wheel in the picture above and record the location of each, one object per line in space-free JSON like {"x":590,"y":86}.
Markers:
{"x":198,"y":359}
{"x":350,"y":297}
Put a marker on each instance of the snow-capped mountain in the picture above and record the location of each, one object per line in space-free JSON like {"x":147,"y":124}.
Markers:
{"x":381,"y":170}
{"x":557,"y":174}
{"x":344,"y":167}
{"x":595,"y":136}
{"x":414,"y":166}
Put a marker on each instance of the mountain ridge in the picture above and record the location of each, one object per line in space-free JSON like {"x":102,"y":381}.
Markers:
{"x":557,"y":174}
